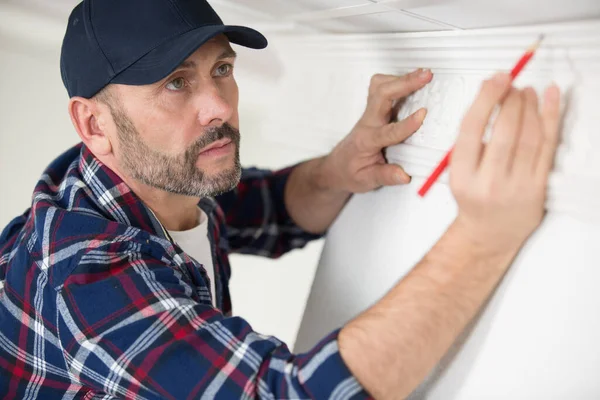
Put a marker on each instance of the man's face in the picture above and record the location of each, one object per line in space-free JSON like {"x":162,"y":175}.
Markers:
{"x":181,"y":134}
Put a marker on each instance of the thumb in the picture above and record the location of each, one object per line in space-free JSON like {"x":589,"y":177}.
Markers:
{"x":387,"y":175}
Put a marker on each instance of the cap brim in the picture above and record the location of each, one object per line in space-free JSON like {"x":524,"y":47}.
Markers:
{"x":164,"y":59}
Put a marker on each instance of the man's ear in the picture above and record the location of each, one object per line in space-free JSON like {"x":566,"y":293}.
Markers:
{"x":91,"y":121}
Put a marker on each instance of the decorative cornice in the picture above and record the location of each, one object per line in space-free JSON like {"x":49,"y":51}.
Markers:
{"x":328,"y":75}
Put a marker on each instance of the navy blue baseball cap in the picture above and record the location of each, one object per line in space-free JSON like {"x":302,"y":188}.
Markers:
{"x":138,"y":42}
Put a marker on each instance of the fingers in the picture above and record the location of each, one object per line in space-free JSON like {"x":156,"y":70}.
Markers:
{"x":469,"y":147}
{"x":387,"y":175}
{"x":385,"y":89}
{"x":499,"y":154}
{"x":398,"y":132}
{"x":551,"y":128}
{"x":501,"y":199}
{"x":531,"y":136}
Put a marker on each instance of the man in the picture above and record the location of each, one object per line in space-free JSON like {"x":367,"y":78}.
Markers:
{"x":115,"y":280}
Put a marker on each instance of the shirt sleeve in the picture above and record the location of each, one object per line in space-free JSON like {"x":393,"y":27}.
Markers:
{"x":136,"y":329}
{"x":257,"y":220}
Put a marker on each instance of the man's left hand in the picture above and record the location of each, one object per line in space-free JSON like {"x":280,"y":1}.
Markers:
{"x":357,"y":163}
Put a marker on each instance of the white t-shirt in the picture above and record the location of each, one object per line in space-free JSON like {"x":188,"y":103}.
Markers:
{"x":196,"y":244}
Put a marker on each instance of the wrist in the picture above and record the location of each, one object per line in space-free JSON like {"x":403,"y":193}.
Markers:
{"x":461,"y":257}
{"x":325,"y":176}
{"x":482,"y":241}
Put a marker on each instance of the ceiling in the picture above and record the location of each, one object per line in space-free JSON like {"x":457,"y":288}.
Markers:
{"x":360,"y":16}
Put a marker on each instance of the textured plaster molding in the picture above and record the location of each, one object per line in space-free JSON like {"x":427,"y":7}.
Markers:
{"x":328,"y":77}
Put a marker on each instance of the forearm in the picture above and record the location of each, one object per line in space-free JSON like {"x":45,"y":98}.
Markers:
{"x":311,"y":198}
{"x":393,"y":346}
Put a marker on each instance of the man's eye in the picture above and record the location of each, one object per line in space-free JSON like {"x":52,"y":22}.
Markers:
{"x":224,"y":69}
{"x":176,"y":84}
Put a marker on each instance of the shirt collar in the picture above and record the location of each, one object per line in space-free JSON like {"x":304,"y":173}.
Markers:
{"x":115,"y":198}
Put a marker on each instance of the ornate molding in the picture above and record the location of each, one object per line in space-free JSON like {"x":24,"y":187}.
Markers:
{"x":334,"y":70}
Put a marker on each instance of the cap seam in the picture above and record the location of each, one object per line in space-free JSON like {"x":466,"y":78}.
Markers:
{"x":112,"y":67}
{"x":152,"y":49}
{"x":180,"y":13}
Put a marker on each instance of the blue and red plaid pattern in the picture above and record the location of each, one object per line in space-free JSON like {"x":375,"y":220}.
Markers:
{"x":97,"y":302}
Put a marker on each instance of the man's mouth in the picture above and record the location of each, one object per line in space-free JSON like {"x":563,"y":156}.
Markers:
{"x":219,"y":147}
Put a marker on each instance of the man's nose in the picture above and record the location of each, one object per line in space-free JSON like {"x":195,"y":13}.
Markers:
{"x":213,"y":107}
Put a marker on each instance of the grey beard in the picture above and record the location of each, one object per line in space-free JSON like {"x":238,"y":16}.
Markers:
{"x":176,"y":174}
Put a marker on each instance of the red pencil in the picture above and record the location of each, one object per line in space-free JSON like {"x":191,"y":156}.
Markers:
{"x":446,"y":160}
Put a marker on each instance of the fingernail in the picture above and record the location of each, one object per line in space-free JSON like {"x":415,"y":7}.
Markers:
{"x":424,"y":73}
{"x":420,"y":115}
{"x":553,"y":93}
{"x":402,"y":178}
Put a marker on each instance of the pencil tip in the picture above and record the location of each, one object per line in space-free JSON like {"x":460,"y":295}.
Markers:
{"x":535,"y":46}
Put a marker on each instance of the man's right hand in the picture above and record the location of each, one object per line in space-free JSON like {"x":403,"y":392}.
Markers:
{"x":501,"y":187}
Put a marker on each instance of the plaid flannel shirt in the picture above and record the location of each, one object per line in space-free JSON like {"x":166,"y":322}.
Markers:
{"x":97,"y":302}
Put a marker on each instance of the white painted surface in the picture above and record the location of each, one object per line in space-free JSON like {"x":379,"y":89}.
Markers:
{"x":375,"y":20}
{"x":537,"y":338}
{"x":356,"y":16}
{"x":468,"y":14}
{"x":377,"y":239}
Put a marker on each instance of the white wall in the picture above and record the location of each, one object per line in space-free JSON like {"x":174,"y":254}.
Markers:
{"x":537,"y":338}
{"x":35,"y":128}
